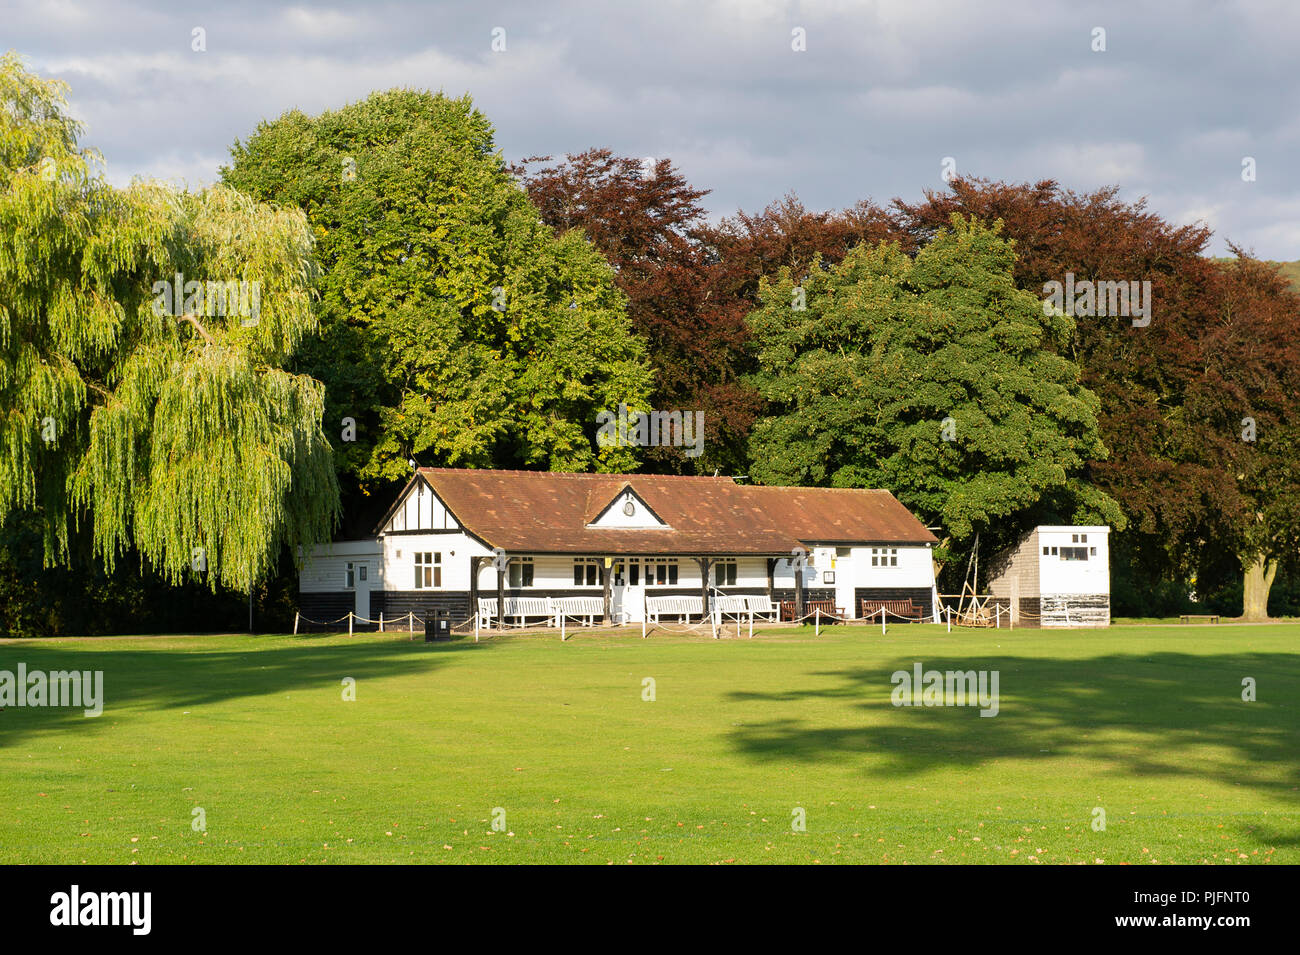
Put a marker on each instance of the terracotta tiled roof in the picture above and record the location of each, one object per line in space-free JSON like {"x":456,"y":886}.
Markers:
{"x":548,"y":512}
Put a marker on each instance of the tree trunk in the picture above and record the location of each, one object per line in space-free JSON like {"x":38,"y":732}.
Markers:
{"x":1259,"y":575}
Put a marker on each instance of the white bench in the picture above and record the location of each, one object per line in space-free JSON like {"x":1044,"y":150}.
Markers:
{"x":589,"y":607}
{"x":760,"y":606}
{"x":744,"y":605}
{"x":520,"y":607}
{"x":729,"y":604}
{"x":674,"y":606}
{"x":517,"y":608}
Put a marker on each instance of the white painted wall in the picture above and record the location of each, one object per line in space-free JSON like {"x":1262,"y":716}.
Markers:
{"x":456,"y":550}
{"x":615,"y":516}
{"x":1057,"y":576}
{"x":325,"y":569}
{"x":914,"y":570}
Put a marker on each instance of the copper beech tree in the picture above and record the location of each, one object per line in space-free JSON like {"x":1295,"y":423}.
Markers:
{"x":690,"y":283}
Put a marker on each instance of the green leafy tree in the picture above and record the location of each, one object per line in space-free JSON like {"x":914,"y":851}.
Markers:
{"x":144,"y":395}
{"x":457,"y":327}
{"x":930,"y":377}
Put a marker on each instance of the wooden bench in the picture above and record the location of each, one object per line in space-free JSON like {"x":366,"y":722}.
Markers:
{"x":827,"y":607}
{"x":897,"y":608}
{"x":1189,"y":617}
{"x":674,"y":607}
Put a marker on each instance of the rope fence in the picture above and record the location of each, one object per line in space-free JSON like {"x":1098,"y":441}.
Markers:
{"x":402,"y":623}
{"x":990,"y":615}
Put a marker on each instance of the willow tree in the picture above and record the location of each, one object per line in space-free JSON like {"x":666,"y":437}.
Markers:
{"x":143,"y":334}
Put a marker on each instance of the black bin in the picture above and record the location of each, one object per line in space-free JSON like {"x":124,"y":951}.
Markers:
{"x":437,"y":625}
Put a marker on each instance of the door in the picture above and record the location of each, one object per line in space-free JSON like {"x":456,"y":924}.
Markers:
{"x":845,"y":572}
{"x":359,"y":572}
{"x":630,"y":590}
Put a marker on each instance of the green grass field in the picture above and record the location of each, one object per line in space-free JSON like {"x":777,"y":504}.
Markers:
{"x":1147,"y":723}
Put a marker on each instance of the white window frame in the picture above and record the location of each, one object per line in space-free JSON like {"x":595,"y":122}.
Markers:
{"x":661,"y":572}
{"x":515,"y":573}
{"x":884,"y":557}
{"x":726,"y":568}
{"x":428,"y":567}
{"x":589,"y":565}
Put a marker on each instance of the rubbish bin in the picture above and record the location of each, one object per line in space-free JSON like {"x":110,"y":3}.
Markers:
{"x":437,"y":625}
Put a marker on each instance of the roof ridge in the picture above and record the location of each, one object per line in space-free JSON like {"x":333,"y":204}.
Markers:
{"x":614,"y":476}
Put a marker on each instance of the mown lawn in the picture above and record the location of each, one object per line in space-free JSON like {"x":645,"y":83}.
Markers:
{"x":1146,"y":723}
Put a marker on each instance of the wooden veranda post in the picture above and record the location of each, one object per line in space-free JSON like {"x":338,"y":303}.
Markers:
{"x":798,"y":587}
{"x":705,"y":564}
{"x":473,"y":584}
{"x":606,"y":568}
{"x":501,"y":595}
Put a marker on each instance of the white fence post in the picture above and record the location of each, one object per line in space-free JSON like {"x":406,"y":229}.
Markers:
{"x":295,"y":623}
{"x":751,"y":625}
{"x":349,"y":623}
{"x":882,"y":621}
{"x":381,"y":621}
{"x":817,"y":618}
{"x":949,"y":609}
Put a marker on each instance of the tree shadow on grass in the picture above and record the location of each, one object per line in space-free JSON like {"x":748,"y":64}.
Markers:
{"x":1148,"y":715}
{"x":176,"y":677}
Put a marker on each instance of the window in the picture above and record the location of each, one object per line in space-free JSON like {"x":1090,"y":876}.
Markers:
{"x":843,"y":551}
{"x":724,"y":573}
{"x":361,"y":572}
{"x":586,"y":572}
{"x":1044,"y":551}
{"x":1083,"y":538}
{"x":884,"y":557}
{"x":1053,"y":551}
{"x":1074,"y":553}
{"x":634,"y":572}
{"x":351,"y":576}
{"x":1074,"y":538}
{"x":660,"y":571}
{"x":520,"y":571}
{"x":1092,"y":551}
{"x":428,"y":570}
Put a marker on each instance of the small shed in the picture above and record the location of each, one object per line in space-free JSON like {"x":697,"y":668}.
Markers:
{"x":1057,"y":576}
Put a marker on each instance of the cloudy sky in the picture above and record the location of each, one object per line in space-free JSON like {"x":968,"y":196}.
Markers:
{"x":883,"y":92}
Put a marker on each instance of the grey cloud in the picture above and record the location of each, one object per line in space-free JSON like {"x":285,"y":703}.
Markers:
{"x":883,"y":93}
